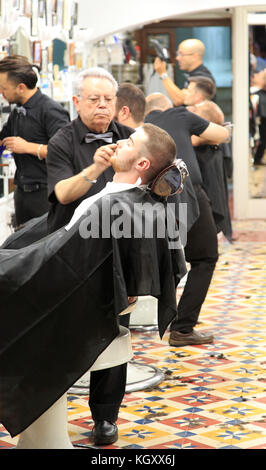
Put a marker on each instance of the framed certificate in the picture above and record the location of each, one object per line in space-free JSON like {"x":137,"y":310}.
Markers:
{"x":28,"y":8}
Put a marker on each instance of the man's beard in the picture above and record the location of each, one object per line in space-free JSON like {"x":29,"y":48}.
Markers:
{"x":121,"y":165}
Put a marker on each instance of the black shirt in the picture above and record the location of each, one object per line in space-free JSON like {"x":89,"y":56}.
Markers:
{"x":262,"y":103}
{"x":43,"y":118}
{"x":181,"y":124}
{"x":67,"y":155}
{"x":200,"y":70}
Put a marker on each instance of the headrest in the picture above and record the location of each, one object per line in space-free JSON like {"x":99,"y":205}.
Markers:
{"x":170,"y":180}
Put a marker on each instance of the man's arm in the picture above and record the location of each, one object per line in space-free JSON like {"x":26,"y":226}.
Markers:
{"x":19,"y":145}
{"x":176,"y":94}
{"x":70,"y":189}
{"x":55,"y":118}
{"x":214,"y":134}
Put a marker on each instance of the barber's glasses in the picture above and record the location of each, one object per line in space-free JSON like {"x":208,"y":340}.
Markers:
{"x":183,"y":54}
{"x":95,"y":99}
{"x":170,"y":181}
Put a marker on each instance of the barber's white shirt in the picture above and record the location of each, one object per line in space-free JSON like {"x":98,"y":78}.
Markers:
{"x":111,"y":187}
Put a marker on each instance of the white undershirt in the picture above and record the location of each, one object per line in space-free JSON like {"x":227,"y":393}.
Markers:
{"x":110,"y":187}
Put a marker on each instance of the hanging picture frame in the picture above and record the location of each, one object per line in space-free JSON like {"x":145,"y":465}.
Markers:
{"x":48,"y":12}
{"x":66,"y":16}
{"x":34,"y":18}
{"x":41,"y":10}
{"x":37,"y":52}
{"x":21,"y":7}
{"x":28,"y":8}
{"x":60,"y":12}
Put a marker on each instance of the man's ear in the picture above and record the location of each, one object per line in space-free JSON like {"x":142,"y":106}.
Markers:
{"x":143,"y":164}
{"x":75,"y":100}
{"x":21,"y":87}
{"x":124,"y":113}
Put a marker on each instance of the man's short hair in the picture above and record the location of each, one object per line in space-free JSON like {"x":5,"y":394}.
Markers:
{"x":161,"y":150}
{"x":157,"y":101}
{"x":19,"y":70}
{"x":210,"y":111}
{"x":95,"y":72}
{"x":132,"y":96}
{"x":205,"y":84}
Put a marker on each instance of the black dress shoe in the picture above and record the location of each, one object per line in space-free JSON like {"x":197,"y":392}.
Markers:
{"x":104,"y":433}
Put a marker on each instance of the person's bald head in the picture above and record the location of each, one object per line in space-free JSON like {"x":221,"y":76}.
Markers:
{"x":157,"y":101}
{"x":190,"y":54}
{"x":209,"y":111}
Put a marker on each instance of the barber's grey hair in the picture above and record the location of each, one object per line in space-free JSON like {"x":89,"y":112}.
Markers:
{"x":97,"y":72}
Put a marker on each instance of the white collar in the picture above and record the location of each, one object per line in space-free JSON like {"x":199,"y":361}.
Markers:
{"x":111,"y":187}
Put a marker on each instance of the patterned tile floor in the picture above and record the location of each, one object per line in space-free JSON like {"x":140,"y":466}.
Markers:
{"x":213,"y":396}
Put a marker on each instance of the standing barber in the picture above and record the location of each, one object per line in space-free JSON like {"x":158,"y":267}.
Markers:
{"x":189,"y":57}
{"x":30,"y":125}
{"x":78,"y":164}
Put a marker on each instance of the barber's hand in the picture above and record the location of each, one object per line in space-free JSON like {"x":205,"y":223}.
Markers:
{"x":102,"y":156}
{"x":159,"y":66}
{"x":16,"y":144}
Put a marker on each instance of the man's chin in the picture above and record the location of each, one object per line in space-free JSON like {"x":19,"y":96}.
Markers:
{"x":101,"y":124}
{"x":113,"y":163}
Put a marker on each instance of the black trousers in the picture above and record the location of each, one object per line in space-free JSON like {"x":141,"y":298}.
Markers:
{"x":201,"y":251}
{"x":30,"y":204}
{"x":107,"y":388}
{"x":262,"y":143}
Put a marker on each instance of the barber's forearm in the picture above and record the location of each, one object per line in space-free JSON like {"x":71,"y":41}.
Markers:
{"x":19,"y":145}
{"x":71,"y":189}
{"x":176,"y":94}
{"x":196,"y":141}
{"x":38,"y":150}
{"x":215,"y":134}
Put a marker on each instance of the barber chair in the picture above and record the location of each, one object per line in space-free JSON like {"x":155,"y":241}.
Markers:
{"x":49,"y":431}
{"x":144,"y":317}
{"x":140,"y":376}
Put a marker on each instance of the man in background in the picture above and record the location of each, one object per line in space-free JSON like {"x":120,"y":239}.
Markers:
{"x":30,"y":125}
{"x":130,"y":105}
{"x":200,"y":89}
{"x":189,"y":57}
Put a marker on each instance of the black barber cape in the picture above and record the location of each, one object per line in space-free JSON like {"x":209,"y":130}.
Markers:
{"x":214,"y":181}
{"x":60,"y":297}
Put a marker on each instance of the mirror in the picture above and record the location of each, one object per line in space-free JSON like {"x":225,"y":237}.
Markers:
{"x":257,"y":105}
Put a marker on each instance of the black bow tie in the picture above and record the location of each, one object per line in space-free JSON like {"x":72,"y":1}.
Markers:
{"x":107,"y":137}
{"x":21,"y":110}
